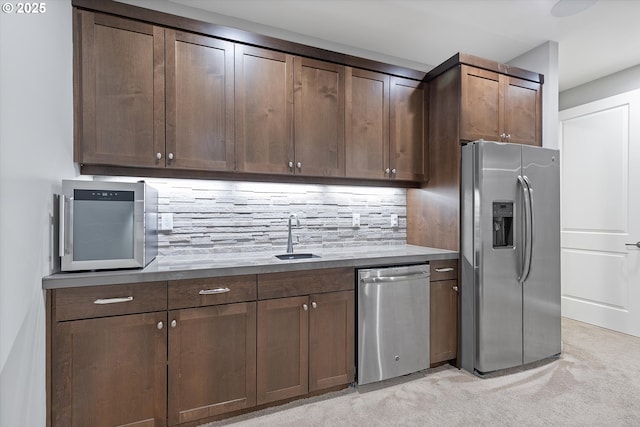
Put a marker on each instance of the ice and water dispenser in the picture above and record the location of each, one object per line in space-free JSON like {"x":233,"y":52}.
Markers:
{"x":502,"y":224}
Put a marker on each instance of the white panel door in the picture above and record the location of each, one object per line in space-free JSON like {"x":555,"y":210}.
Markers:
{"x":600,"y":196}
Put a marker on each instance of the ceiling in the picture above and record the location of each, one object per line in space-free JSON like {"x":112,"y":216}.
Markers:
{"x":603,"y":39}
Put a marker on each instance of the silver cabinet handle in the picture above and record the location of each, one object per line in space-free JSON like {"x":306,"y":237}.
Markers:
{"x":393,"y":171}
{"x":637,"y":244}
{"x":305,"y":307}
{"x":170,"y":156}
{"x":508,"y":136}
{"x":174,"y":323}
{"x":314,"y":304}
{"x":102,"y":301}
{"x":158,"y":156}
{"x":503,"y":135}
{"x":444,"y":269}
{"x":290,"y":165}
{"x":160,"y":325}
{"x":299,"y":165}
{"x":214,"y":291}
{"x":455,"y":288}
{"x":387,"y":170}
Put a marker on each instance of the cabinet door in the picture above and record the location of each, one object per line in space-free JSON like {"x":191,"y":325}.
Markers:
{"x":319,"y":118}
{"x":367,"y":124}
{"x":264,"y":110}
{"x":479,"y":104}
{"x":199,"y":97}
{"x":443,"y":320}
{"x":120,"y":107}
{"x":282,"y":363}
{"x":331,"y":340}
{"x":408,"y":121}
{"x":212,"y":361}
{"x":110,"y":371}
{"x":522,"y":112}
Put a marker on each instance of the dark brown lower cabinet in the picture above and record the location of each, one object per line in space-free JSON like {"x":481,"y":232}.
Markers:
{"x":305,"y":344}
{"x":331,"y":340}
{"x":283,"y":351}
{"x":211,"y":361}
{"x":189,"y":351}
{"x":443,"y":340}
{"x":110,"y":371}
{"x":444,"y":320}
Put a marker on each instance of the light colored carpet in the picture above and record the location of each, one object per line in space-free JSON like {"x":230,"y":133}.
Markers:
{"x":595,"y":382}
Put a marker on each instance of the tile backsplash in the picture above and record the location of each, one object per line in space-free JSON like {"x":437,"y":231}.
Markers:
{"x":233,"y":216}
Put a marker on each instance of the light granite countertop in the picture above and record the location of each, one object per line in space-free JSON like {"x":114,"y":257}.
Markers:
{"x":233,"y":264}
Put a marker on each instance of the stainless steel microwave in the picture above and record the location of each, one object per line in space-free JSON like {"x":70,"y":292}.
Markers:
{"x":107,"y":225}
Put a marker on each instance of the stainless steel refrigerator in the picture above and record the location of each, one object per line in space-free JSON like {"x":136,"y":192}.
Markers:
{"x":510,"y":252}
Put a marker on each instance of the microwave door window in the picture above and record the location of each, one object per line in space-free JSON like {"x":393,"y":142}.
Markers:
{"x":103,"y":229}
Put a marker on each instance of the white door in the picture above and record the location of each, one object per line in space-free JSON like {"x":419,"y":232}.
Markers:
{"x":600,"y":196}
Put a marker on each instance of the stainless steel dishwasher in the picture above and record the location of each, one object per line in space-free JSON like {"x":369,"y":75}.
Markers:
{"x":393,"y":322}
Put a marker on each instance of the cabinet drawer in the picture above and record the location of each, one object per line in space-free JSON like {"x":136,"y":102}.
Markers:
{"x":110,"y":300}
{"x":446,"y":269}
{"x":305,"y":282}
{"x":211,"y":291}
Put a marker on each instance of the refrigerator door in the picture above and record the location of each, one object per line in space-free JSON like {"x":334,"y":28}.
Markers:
{"x":498,"y":293}
{"x":541,"y":289}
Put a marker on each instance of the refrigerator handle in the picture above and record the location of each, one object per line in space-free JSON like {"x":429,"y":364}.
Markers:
{"x":526,"y":244}
{"x":531,"y":225}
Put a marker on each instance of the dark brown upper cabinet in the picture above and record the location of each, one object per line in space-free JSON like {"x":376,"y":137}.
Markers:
{"x":408,"y":128}
{"x":289,"y":114}
{"x":264,"y":110}
{"x":498,"y":107}
{"x":318,"y":118}
{"x":469,"y":98}
{"x":367,"y":124}
{"x":132,"y":75}
{"x":385,"y":126}
{"x":119,"y":91}
{"x":199,"y":102}
{"x":175,"y":100}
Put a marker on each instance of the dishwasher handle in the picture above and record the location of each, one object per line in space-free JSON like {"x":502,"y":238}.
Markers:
{"x":403,"y":278}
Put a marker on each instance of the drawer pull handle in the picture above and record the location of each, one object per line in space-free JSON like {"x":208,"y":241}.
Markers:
{"x":102,"y":301}
{"x":444,"y":270}
{"x":214,"y":291}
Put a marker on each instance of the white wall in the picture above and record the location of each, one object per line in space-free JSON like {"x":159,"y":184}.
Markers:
{"x":167,"y":6}
{"x":36,"y":146}
{"x":544,"y":59}
{"x":613,"y":84}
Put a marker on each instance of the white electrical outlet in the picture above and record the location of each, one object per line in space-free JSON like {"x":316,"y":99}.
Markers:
{"x":394,"y":220}
{"x":165,"y":222}
{"x":355,"y":220}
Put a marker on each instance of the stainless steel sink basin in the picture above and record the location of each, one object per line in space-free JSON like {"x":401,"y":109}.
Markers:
{"x":286,"y":257}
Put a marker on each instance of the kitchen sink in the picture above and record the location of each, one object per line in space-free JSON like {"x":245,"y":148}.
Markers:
{"x":286,"y":257}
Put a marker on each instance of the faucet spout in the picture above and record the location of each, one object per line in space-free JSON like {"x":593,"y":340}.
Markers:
{"x":289,"y":239}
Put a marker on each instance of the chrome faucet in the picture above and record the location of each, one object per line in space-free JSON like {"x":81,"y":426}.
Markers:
{"x":289,"y":240}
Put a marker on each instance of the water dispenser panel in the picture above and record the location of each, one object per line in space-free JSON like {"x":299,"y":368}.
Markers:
{"x":502,"y":224}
